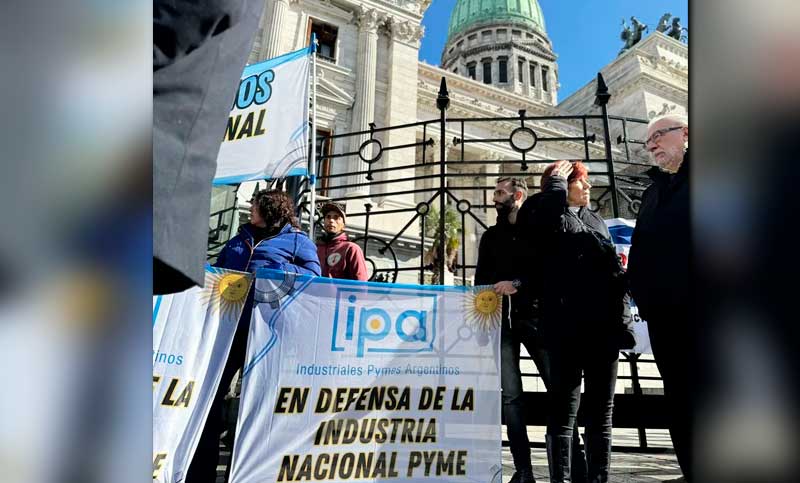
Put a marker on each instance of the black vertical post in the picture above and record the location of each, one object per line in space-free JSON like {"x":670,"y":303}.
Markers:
{"x":585,"y":140}
{"x":442,"y":102}
{"x":625,"y":138}
{"x":601,"y":99}
{"x":422,"y":250}
{"x":234,"y":212}
{"x":368,"y":207}
{"x":463,"y":249}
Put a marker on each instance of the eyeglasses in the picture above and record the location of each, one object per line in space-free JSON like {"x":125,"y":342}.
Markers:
{"x":657,"y":135}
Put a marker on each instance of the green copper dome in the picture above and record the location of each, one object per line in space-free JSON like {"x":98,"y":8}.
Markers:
{"x":468,"y":13}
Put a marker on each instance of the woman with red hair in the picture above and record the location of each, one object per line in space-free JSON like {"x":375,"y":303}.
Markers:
{"x":584,"y":315}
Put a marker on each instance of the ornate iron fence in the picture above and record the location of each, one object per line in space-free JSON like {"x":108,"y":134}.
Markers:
{"x":364,"y":173}
{"x":428,"y":175}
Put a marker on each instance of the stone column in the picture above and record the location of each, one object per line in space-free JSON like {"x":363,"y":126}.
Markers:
{"x":553,"y":85}
{"x":490,"y":175}
{"x":403,"y":53}
{"x":432,"y":162}
{"x":368,"y":21}
{"x":538,"y":76}
{"x":526,"y":79}
{"x":513,"y":72}
{"x":273,"y":25}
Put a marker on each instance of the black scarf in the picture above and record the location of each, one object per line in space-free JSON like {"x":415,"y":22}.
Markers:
{"x":260,"y":233}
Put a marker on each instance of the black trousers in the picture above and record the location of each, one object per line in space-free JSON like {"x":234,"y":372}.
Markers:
{"x":203,"y":467}
{"x":597,"y":368}
{"x":673,"y":350}
{"x":513,"y":404}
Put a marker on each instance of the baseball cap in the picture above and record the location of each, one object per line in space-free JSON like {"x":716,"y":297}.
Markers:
{"x":331,"y":206}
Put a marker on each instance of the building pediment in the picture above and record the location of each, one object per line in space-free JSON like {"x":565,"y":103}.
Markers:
{"x":329,"y":92}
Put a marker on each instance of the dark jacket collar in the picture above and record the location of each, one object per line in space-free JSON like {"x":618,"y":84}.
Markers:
{"x":656,"y":174}
{"x":502,"y":221}
{"x":249,"y":231}
{"x":333,"y":239}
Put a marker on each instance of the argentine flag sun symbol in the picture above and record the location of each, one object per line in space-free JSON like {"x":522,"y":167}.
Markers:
{"x":482,"y":308}
{"x":225,"y":292}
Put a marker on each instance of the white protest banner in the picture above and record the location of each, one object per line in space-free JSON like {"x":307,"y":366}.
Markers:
{"x":358,"y":381}
{"x":267,"y":132}
{"x":192,"y":335}
{"x":621,"y":231}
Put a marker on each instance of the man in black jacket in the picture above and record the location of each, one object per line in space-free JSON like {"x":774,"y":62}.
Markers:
{"x":658,"y":270}
{"x":504,"y":257}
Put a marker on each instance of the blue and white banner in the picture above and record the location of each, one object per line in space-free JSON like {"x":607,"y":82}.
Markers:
{"x":267,"y":132}
{"x":359,"y":381}
{"x":621,"y":232}
{"x":192,"y":335}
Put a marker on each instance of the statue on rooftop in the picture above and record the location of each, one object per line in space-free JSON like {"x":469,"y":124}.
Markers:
{"x":676,"y":31}
{"x":663,"y":23}
{"x":631,"y":35}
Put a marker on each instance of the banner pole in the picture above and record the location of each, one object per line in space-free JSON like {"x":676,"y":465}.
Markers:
{"x":312,"y":171}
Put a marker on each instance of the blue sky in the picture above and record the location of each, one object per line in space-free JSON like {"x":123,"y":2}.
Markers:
{"x":585,"y":33}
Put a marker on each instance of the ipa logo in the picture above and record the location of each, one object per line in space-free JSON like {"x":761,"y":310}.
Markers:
{"x":380,"y":321}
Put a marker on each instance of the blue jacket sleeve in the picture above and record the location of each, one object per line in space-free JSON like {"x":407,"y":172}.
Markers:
{"x":220,"y":263}
{"x":224,"y":258}
{"x":305,"y":260}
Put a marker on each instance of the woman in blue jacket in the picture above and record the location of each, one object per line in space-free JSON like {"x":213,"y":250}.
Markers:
{"x":272,"y":239}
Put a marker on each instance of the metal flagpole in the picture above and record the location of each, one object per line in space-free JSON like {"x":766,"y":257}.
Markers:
{"x":312,"y":170}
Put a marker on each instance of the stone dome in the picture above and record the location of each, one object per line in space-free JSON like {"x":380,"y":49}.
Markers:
{"x":472,"y":13}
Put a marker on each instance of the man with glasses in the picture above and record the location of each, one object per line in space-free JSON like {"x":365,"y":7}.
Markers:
{"x":658,"y":271}
{"x":505,"y":261}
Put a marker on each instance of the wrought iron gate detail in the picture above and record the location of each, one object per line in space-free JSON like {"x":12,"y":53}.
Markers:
{"x":371,"y":171}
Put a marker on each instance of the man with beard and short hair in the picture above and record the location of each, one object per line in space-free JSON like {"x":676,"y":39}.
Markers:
{"x":339,"y":257}
{"x":505,"y":261}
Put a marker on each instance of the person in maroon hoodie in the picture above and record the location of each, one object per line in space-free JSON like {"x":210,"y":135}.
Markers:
{"x":339,"y":257}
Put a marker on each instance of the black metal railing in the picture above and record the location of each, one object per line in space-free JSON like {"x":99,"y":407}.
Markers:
{"x":426,"y":166}
{"x":361,"y":173}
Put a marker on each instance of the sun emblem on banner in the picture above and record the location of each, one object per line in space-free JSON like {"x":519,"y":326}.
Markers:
{"x":272,"y":291}
{"x":483,"y":309}
{"x":226,"y":292}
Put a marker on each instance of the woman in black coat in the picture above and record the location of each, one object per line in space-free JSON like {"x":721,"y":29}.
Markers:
{"x":585,"y":315}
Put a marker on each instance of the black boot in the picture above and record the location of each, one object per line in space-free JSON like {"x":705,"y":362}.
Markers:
{"x":559,"y":456}
{"x":523,"y":476}
{"x":578,"y":464}
{"x":598,"y":458}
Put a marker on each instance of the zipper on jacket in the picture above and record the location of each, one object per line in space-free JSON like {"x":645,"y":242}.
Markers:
{"x":253,"y":248}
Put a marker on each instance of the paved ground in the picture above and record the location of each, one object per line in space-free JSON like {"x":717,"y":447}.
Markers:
{"x":626,"y":466}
